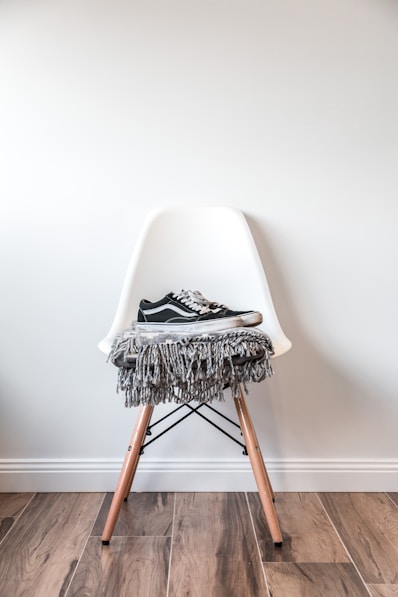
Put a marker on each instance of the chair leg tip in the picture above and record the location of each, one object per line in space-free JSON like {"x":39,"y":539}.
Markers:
{"x":278,"y":545}
{"x":105,"y":542}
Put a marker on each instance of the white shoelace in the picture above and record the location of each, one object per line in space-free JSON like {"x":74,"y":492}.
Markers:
{"x":197,"y":302}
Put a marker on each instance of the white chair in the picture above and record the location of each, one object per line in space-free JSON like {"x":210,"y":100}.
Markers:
{"x":210,"y":249}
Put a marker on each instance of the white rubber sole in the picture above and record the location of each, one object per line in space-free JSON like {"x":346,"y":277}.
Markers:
{"x":212,"y":325}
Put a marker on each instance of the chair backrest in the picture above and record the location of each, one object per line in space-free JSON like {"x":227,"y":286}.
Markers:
{"x":210,"y":249}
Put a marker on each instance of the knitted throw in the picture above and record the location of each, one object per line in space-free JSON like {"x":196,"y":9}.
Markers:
{"x":171,"y":367}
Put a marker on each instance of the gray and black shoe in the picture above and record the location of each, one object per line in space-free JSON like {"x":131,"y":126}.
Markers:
{"x":190,"y":311}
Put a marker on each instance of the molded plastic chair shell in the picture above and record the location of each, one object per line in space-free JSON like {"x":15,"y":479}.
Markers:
{"x":210,"y":249}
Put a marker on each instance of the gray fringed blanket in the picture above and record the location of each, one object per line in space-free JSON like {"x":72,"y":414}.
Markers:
{"x":166,"y":367}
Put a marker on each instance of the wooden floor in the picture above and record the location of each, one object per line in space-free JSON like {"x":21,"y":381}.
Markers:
{"x":199,"y":545}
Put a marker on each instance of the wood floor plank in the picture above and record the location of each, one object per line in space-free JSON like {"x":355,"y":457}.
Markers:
{"x":214,"y":550}
{"x":383,"y":590}
{"x":5,"y":525}
{"x":11,"y":506}
{"x":142,"y":514}
{"x":394,"y":497}
{"x":368,"y":525}
{"x":128,"y":567}
{"x":314,"y":580}
{"x":40,"y":553}
{"x":308,"y":535}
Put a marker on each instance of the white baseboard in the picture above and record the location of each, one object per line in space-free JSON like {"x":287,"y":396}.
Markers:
{"x":92,"y":475}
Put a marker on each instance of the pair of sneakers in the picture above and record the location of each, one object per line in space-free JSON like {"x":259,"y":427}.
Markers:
{"x":190,"y":311}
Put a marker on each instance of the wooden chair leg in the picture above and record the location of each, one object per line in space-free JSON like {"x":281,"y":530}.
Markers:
{"x":260,"y":472}
{"x":134,"y":466}
{"x":128,"y":470}
{"x":260,"y":460}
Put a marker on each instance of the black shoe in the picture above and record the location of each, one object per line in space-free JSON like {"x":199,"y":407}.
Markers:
{"x":190,"y":311}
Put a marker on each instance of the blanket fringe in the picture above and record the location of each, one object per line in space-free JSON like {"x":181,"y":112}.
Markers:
{"x":160,"y":368}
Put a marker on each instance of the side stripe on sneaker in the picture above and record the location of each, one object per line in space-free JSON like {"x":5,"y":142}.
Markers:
{"x":168,"y":307}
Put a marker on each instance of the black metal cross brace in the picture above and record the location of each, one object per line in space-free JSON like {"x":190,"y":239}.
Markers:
{"x":192,"y":411}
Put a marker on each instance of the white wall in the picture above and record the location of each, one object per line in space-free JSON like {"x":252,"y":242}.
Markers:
{"x":285,"y":110}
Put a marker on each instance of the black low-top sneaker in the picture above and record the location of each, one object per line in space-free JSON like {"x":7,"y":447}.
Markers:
{"x":190,"y":311}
